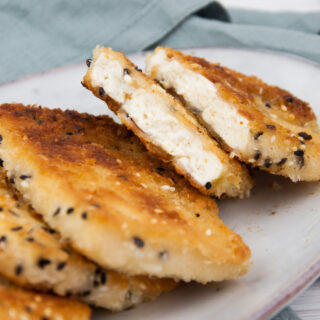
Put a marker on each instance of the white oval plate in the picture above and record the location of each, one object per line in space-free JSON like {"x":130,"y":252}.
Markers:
{"x":282,"y":227}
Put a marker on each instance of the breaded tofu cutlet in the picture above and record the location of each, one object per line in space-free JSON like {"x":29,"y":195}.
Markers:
{"x":117,"y":204}
{"x":164,"y":126}
{"x":34,"y":256}
{"x":261,"y":124}
{"x":22,"y":304}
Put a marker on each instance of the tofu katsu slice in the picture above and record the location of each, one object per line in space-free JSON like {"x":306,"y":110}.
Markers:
{"x":17,"y":303}
{"x":261,"y":124}
{"x":34,"y":256}
{"x":95,"y":183}
{"x":164,"y":126}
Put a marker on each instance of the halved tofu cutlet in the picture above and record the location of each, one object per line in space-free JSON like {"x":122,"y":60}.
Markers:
{"x":261,"y":124}
{"x":118,"y":205}
{"x":16,"y":303}
{"x":164,"y":126}
{"x":34,"y":256}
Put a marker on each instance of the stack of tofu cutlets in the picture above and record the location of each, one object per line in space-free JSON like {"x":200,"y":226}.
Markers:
{"x":113,"y":215}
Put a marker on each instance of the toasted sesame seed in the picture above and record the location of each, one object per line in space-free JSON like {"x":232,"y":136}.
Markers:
{"x":101,"y":92}
{"x":70,"y":210}
{"x":291,"y":117}
{"x":299,"y":153}
{"x":258,"y":134}
{"x":61,"y":265}
{"x":273,"y":139}
{"x":103,"y":278}
{"x":163,"y":255}
{"x":305,"y":135}
{"x":88,"y":62}
{"x":289,"y":99}
{"x":282,"y":161}
{"x":24,"y":177}
{"x":273,"y":115}
{"x":208,"y":232}
{"x":18,"y":270}
{"x":208,"y":185}
{"x":84,"y":215}
{"x":257,"y":155}
{"x":138,"y":242}
{"x":271,"y":126}
{"x":56,"y":212}
{"x":267,"y":162}
{"x":16,"y":228}
{"x":303,"y":147}
{"x":232,"y":154}
{"x":42,"y":263}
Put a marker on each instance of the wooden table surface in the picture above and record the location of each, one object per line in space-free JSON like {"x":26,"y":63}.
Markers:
{"x":307,"y":304}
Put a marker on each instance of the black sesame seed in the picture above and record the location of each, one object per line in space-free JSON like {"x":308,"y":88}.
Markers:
{"x":45,"y":318}
{"x":13,"y":213}
{"x":24,"y":177}
{"x":61,"y":265}
{"x":299,"y":153}
{"x":56,"y":212}
{"x":1,"y":209}
{"x":98,"y":271}
{"x":257,"y":155}
{"x":18,"y":270}
{"x":11,"y":180}
{"x":3,"y":239}
{"x":88,"y":62}
{"x":257,"y":135}
{"x":289,"y":99}
{"x":268,"y":105}
{"x":305,"y":135}
{"x":28,"y":309}
{"x":70,"y":210}
{"x":267,"y":162}
{"x":138,"y":242}
{"x":95,"y":283}
{"x":282,"y":161}
{"x":42,"y":263}
{"x":69,"y":133}
{"x":103,"y":278}
{"x":46,"y":229}
{"x":163,"y":254}
{"x":208,"y":185}
{"x":300,"y":161}
{"x":1,"y":138}
{"x":197,"y":215}
{"x":161,"y":169}
{"x":16,"y":228}
{"x":271,"y":126}
{"x":68,"y":293}
{"x":30,"y":239}
{"x":1,"y":163}
{"x":101,"y":92}
{"x":85,"y":293}
{"x":84,"y":215}
{"x":126,"y":71}
{"x":138,"y":69}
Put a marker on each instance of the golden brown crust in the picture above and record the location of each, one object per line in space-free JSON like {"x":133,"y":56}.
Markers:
{"x":34,"y":256}
{"x":236,"y":182}
{"x":135,"y":205}
{"x":283,"y":132}
{"x":16,"y":303}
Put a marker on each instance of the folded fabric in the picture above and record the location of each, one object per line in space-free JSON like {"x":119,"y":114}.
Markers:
{"x":37,"y":35}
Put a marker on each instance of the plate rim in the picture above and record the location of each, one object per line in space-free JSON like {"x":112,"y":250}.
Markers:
{"x":305,"y":277}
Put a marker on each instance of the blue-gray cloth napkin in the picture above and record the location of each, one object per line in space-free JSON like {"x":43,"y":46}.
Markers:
{"x":37,"y":35}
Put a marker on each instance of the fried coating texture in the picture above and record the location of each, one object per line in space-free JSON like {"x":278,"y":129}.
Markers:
{"x":279,"y":131}
{"x":94,"y":182}
{"x":164,"y":126}
{"x":32,"y":255}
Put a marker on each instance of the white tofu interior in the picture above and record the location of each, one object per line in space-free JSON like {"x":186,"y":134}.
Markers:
{"x":201,"y":95}
{"x":152,"y":114}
